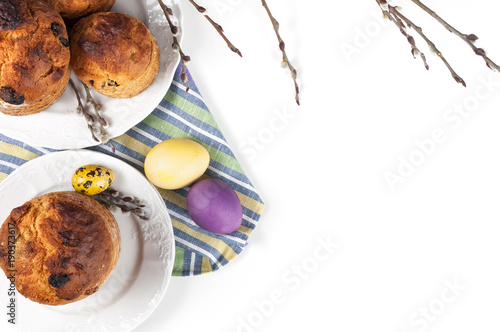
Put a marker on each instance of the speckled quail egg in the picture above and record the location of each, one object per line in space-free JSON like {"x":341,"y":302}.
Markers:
{"x":92,"y":179}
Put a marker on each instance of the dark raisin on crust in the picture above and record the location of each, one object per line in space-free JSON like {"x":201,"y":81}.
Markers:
{"x":92,"y":82}
{"x":112,"y":83}
{"x":64,"y":41}
{"x":56,"y":28}
{"x":9,"y":95}
{"x":58,"y":280}
{"x":9,"y":15}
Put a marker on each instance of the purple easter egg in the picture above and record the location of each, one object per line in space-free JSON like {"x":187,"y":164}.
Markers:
{"x":214,"y":206}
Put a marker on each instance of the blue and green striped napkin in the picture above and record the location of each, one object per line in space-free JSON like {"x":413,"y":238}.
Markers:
{"x":180,"y":114}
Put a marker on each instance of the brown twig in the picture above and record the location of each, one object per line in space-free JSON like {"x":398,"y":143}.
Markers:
{"x":396,"y":14}
{"x":174,"y":29}
{"x":469,"y":39}
{"x":286,"y":62}
{"x":217,"y":27}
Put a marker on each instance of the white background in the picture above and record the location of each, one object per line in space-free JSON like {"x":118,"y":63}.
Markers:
{"x":322,"y":173}
{"x":420,"y":255}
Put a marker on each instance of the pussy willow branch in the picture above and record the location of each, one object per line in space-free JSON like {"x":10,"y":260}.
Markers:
{"x":217,"y":27}
{"x":432,"y":46}
{"x":184,"y":58}
{"x":80,"y":109}
{"x":113,"y":200}
{"x":402,"y":28}
{"x":97,"y":108}
{"x":391,"y":10}
{"x":293,"y":71}
{"x":102,"y":123}
{"x":89,"y":118}
{"x":469,"y":39}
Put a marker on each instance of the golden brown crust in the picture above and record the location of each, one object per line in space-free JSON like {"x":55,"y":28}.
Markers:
{"x":66,"y":246}
{"x":72,"y":10}
{"x":34,"y":56}
{"x":114,"y":53}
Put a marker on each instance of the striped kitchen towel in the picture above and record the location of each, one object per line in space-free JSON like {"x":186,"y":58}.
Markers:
{"x":180,"y":114}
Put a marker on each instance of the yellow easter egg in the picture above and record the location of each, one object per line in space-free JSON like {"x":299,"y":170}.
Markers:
{"x":176,"y":163}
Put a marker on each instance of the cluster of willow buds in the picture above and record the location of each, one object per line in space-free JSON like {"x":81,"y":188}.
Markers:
{"x":114,"y":200}
{"x":96,"y":128}
{"x":184,"y":58}
{"x":403,"y":23}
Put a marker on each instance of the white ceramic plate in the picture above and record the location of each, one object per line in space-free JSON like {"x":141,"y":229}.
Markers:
{"x":59,"y":127}
{"x":144,"y":268}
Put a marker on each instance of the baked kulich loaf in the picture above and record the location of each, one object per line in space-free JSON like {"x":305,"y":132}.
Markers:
{"x":67,"y":244}
{"x":72,"y":10}
{"x":34,"y":56}
{"x":114,"y":53}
